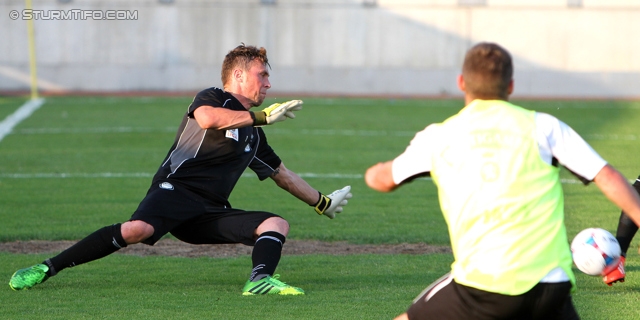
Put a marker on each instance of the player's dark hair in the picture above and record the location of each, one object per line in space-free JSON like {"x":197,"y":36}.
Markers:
{"x":242,"y":56}
{"x":487,"y":71}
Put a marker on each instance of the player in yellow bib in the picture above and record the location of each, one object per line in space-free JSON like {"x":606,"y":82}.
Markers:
{"x":496,"y":166}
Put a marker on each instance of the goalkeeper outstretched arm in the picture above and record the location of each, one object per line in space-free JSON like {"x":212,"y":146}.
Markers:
{"x":209,"y":117}
{"x":327,"y":205}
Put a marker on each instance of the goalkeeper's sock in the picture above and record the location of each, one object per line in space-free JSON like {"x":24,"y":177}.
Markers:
{"x":266,"y":254}
{"x":99,"y":244}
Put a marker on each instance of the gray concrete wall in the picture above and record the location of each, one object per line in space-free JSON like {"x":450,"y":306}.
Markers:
{"x":337,"y":47}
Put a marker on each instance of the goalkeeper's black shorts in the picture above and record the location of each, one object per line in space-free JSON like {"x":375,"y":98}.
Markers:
{"x":171,"y":208}
{"x":446,"y":299}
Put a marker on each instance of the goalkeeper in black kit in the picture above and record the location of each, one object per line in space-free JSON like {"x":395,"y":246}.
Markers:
{"x":217,"y":140}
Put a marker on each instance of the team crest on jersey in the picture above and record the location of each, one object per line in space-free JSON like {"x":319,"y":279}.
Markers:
{"x":232,"y":133}
{"x":166,"y":186}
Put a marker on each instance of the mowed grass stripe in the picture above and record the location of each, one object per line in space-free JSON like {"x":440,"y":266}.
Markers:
{"x":331,"y":143}
{"x":305,"y":175}
{"x":277,"y":131}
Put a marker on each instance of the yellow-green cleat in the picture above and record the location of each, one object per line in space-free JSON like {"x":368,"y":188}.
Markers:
{"x":270,"y":285}
{"x":28,"y":277}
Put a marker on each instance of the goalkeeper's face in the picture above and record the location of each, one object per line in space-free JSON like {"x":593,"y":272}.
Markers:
{"x":256,"y":83}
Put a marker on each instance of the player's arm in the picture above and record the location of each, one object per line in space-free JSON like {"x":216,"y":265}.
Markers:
{"x":617,"y":189}
{"x":580,"y":158}
{"x":323,"y":204}
{"x":388,"y":176}
{"x":209,"y":117}
{"x":292,"y":183}
{"x":379,"y":177}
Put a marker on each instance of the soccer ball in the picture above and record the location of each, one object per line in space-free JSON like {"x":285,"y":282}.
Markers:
{"x":595,"y":251}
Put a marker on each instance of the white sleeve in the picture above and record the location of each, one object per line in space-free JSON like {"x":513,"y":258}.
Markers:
{"x":416,"y":159}
{"x":557,"y":140}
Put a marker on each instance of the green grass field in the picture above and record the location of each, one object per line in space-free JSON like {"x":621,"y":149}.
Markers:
{"x":80,"y":163}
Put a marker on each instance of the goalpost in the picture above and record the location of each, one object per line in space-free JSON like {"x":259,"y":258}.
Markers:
{"x":32,"y":54}
{"x":7,"y":125}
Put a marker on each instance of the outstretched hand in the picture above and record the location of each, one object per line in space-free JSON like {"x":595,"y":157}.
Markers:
{"x":278,"y":112}
{"x":333,"y":203}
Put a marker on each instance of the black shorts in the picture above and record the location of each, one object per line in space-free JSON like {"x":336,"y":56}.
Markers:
{"x":446,"y":299}
{"x":194,"y":219}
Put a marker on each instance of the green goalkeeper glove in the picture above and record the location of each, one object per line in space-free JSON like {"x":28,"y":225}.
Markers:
{"x":277,"y":112}
{"x":333,"y":203}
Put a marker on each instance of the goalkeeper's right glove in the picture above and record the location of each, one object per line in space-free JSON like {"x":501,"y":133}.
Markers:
{"x":333,"y":203}
{"x":276,"y":112}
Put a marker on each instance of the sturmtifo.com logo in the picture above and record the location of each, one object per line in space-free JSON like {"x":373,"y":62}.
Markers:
{"x":73,"y":14}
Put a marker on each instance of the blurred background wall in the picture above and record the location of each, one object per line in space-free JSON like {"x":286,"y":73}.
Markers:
{"x":561,"y":48}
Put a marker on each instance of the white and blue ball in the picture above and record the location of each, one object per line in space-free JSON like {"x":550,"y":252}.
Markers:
{"x":595,"y":251}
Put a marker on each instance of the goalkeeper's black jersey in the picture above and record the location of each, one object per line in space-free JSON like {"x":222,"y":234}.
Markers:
{"x":210,"y":162}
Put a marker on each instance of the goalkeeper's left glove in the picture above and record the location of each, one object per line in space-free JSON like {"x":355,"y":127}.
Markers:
{"x":333,"y":203}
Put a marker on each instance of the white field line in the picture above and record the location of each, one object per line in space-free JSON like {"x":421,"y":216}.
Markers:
{"x":75,"y":175}
{"x":7,"y":125}
{"x":149,"y":175}
{"x":306,"y":175}
{"x":49,"y":131}
{"x":428,"y":103}
{"x":277,"y":131}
